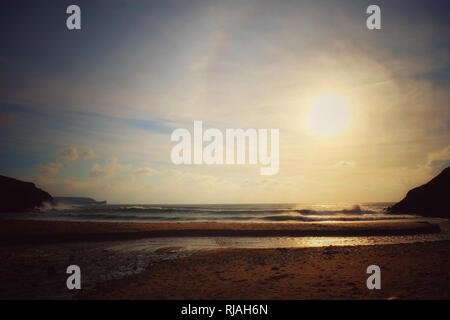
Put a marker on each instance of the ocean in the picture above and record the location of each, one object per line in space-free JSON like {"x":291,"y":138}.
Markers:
{"x":215,"y":212}
{"x":260,"y":213}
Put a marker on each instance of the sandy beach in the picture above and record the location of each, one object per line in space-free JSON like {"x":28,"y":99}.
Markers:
{"x":34,"y":256}
{"x":409,"y":271}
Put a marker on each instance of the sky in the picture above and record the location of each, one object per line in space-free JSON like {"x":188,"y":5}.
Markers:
{"x":90,"y":112}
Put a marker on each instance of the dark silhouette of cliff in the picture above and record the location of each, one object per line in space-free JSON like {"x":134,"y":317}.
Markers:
{"x":431,"y":199}
{"x":19,"y":196}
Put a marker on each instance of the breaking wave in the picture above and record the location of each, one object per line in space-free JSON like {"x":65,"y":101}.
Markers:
{"x":225,"y":213}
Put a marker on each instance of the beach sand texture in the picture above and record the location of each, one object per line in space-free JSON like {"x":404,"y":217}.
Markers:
{"x":34,"y":267}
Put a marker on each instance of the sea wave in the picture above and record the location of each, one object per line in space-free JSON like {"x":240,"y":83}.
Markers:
{"x":229,"y":213}
{"x":318,"y":218}
{"x":356,"y":209}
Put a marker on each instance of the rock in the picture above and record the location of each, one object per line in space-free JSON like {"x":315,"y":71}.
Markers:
{"x":19,"y":196}
{"x":431,"y":199}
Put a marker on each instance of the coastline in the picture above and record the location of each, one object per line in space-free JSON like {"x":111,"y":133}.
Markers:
{"x":50,"y":231}
{"x":118,"y":263}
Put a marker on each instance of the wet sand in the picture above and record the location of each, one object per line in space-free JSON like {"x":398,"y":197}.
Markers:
{"x":34,"y":256}
{"x":408,"y":271}
{"x":40,"y":231}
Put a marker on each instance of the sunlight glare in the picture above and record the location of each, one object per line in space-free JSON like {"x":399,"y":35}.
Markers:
{"x":328,"y":115}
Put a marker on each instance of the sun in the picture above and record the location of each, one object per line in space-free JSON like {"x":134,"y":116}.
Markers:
{"x":328,"y":115}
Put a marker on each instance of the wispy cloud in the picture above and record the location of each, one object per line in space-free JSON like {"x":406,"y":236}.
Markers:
{"x":437,"y":161}
{"x":109,"y":169}
{"x":51,"y":168}
{"x":69,"y":154}
{"x":88,"y":154}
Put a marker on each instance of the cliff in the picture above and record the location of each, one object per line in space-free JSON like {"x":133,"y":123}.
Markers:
{"x":18,"y":196}
{"x":431,"y":199}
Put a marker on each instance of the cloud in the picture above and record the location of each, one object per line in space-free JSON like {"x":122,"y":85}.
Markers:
{"x":98,"y":171}
{"x":51,"y":168}
{"x":109,"y":169}
{"x":88,"y":154}
{"x":69,"y":154}
{"x":437,"y":161}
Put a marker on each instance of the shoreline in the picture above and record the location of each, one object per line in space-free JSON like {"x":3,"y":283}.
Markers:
{"x":51,"y":231}
{"x":115,"y":268}
{"x":409,"y":271}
